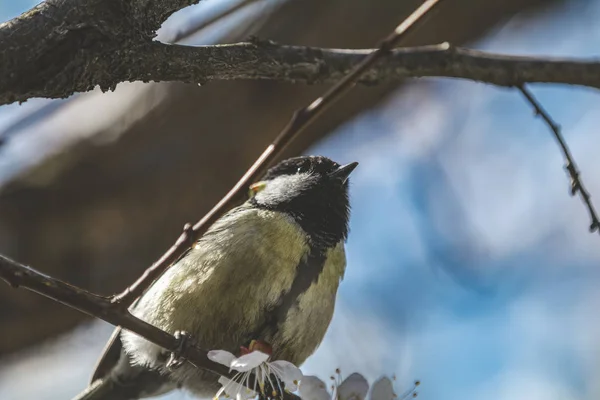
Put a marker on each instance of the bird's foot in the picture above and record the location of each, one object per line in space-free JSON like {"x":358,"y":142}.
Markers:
{"x":257,"y":345}
{"x":184,"y":341}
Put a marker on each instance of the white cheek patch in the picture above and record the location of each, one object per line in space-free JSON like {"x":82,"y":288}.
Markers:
{"x":284,"y":187}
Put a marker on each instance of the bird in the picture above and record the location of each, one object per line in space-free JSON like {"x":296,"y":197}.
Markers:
{"x":267,"y":270}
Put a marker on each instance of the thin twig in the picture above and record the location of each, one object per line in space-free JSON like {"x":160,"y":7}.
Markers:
{"x":570,"y":165}
{"x":300,"y":120}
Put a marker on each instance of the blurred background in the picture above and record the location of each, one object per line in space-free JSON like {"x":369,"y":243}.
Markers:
{"x":469,"y":265}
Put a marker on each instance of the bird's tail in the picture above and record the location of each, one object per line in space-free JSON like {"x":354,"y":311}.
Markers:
{"x":106,"y":389}
{"x":139,"y":383}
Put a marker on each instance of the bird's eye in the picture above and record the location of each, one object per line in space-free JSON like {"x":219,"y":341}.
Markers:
{"x":256,"y":187}
{"x":303,"y":168}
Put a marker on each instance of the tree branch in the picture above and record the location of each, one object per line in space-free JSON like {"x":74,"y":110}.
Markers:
{"x":570,"y":165}
{"x":270,"y":61}
{"x":18,"y":275}
{"x":61,"y":47}
{"x":155,"y":61}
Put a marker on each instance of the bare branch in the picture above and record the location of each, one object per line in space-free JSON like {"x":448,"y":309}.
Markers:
{"x":155,"y":61}
{"x":18,"y":275}
{"x":300,"y":120}
{"x":570,"y":166}
{"x":21,"y":276}
{"x":61,"y":47}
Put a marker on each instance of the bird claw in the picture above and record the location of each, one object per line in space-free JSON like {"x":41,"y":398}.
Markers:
{"x":184,"y":341}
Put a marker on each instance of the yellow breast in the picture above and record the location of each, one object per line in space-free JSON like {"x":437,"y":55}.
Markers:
{"x":220,"y":290}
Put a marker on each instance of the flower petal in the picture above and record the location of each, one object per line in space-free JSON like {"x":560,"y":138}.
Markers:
{"x":382,"y":389}
{"x":249,"y":361}
{"x":221,"y":356}
{"x":288,"y":373}
{"x":312,"y":388}
{"x":223,"y":381}
{"x":354,"y":387}
{"x":231,"y":388}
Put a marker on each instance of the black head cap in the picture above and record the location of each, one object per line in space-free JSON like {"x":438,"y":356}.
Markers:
{"x":314,"y":191}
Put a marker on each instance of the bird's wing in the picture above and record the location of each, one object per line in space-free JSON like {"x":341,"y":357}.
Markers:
{"x":114,"y":377}
{"x":110,"y":355}
{"x":113,"y":348}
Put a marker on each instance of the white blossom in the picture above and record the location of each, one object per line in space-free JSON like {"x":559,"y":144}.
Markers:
{"x":258,"y":363}
{"x":382,"y":389}
{"x":354,"y":387}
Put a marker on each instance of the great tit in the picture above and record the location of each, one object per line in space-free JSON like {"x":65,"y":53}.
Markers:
{"x":267,"y":270}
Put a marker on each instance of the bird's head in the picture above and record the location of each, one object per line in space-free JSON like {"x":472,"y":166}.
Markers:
{"x":313,"y":190}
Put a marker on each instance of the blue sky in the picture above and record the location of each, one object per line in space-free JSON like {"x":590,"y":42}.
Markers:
{"x":11,"y":9}
{"x":470,"y":267}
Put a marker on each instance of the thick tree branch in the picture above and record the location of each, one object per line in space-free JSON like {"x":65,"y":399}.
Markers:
{"x":266,"y":60}
{"x":61,"y":47}
{"x":155,"y":61}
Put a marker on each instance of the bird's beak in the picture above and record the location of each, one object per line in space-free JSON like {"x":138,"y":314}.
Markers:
{"x":344,"y":171}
